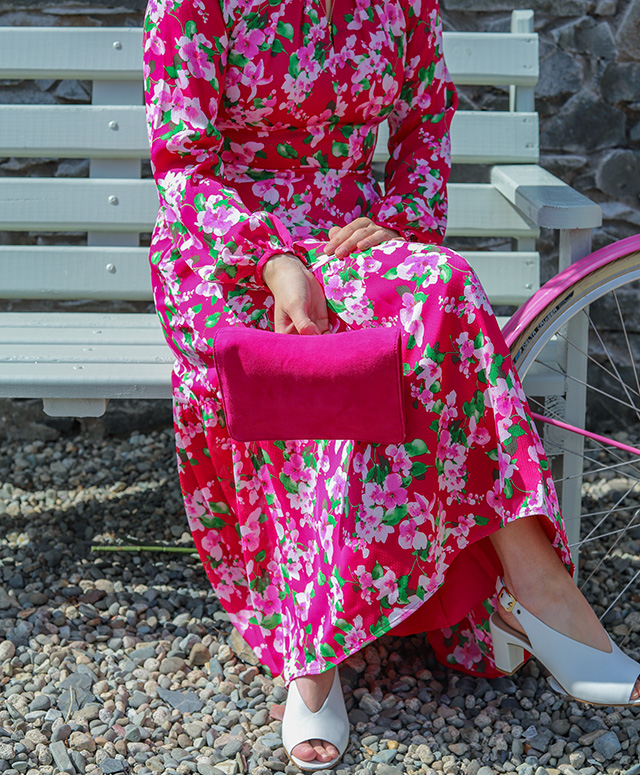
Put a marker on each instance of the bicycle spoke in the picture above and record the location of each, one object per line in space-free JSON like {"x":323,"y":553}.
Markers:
{"x":620,"y":533}
{"x":626,"y":338}
{"x":620,"y":594}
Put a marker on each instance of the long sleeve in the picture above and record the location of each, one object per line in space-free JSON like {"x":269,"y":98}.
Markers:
{"x":214,"y":233}
{"x":415,"y":198}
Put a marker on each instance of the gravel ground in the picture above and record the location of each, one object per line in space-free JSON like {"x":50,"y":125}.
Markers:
{"x":120,"y":663}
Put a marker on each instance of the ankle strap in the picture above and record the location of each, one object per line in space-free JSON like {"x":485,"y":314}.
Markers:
{"x":506,"y":599}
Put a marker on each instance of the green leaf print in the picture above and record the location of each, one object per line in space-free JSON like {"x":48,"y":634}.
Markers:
{"x":377,"y":572}
{"x":343,"y":624}
{"x":211,"y":321}
{"x":395,"y":516}
{"x":271,"y":622}
{"x":190,"y":29}
{"x":237,"y":60}
{"x":339,"y":638}
{"x":418,"y":470}
{"x":219,"y":507}
{"x":340,"y":149}
{"x":327,"y":651}
{"x":294,"y":66}
{"x":508,"y":488}
{"x":482,"y":520}
{"x":214,"y":523}
{"x":276,"y":46}
{"x":479,"y":340}
{"x":260,"y":557}
{"x":284,"y":29}
{"x":288,"y":483}
{"x":446,"y":273}
{"x":416,"y":447}
{"x":411,"y":342}
{"x":322,"y":579}
{"x":382,"y":623}
{"x":287,"y":151}
{"x":492,"y":454}
{"x":391,"y":274}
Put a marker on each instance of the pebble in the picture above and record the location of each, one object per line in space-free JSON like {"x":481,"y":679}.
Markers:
{"x":114,"y":664}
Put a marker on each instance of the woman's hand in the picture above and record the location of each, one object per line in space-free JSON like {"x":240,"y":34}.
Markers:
{"x":360,"y":234}
{"x":300,"y":305}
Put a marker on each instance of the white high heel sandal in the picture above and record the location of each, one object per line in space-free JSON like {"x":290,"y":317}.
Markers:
{"x":581,"y":672}
{"x":330,"y":723}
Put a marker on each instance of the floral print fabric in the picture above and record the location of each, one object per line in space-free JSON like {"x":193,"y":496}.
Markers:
{"x":263,"y":119}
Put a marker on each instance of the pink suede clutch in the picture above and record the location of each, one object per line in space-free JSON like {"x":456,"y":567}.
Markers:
{"x":333,"y":386}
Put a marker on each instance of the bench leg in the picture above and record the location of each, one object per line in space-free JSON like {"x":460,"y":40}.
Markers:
{"x":75,"y":407}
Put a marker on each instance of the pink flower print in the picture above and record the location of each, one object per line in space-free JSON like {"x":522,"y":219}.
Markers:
{"x":465,"y":345}
{"x":394,"y":493}
{"x":269,"y":602}
{"x":430,"y":371}
{"x":373,"y":494}
{"x":306,"y":56}
{"x":410,"y":538}
{"x":387,"y":586}
{"x":294,"y":467}
{"x":247,"y":42}
{"x":401,"y":460}
{"x":411,"y":317}
{"x":354,"y":639}
{"x":192,"y":52}
{"x":360,"y":461}
{"x":216,"y":218}
{"x":250,"y":531}
{"x":461,"y":531}
{"x":468,"y":654}
{"x":364,"y":577}
{"x":212,"y":544}
{"x":303,"y":601}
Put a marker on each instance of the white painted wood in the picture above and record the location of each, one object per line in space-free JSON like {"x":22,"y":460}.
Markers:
{"x":81,"y":328}
{"x":492,"y":58}
{"x":483,"y":138}
{"x":63,"y":272}
{"x":507,"y":277}
{"x":37,"y":204}
{"x":131,"y":353}
{"x":73,"y":131}
{"x":521,"y":98}
{"x":91,"y":380}
{"x":79,"y":407}
{"x":66,"y":52}
{"x":479,"y":210}
{"x":52,"y":204}
{"x":545,"y":199}
{"x":116,"y":54}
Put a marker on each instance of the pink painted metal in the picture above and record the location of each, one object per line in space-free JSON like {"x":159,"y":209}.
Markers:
{"x":561,"y":282}
{"x":587,"y":434}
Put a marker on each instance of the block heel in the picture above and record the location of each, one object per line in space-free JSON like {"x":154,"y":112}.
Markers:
{"x":508,"y":656}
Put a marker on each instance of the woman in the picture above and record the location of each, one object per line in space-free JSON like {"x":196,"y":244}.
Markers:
{"x":263,"y":117}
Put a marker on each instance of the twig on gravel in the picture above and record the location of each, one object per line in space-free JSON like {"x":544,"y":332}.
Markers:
{"x":176,"y":549}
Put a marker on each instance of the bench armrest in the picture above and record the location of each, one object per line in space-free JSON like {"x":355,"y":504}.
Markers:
{"x":544,"y":199}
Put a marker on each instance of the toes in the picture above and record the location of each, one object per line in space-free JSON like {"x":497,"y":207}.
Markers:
{"x":636,"y":691}
{"x":304,"y":751}
{"x":315,"y":749}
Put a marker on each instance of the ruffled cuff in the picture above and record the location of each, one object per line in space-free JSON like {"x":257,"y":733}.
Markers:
{"x":270,"y":253}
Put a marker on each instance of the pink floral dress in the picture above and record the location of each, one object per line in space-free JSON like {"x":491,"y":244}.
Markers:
{"x":263,"y":118}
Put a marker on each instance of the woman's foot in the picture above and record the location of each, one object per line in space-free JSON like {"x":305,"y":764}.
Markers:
{"x":314,"y":690}
{"x":535,"y":576}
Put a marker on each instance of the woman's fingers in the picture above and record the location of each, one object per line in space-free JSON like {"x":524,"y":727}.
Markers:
{"x":360,"y":234}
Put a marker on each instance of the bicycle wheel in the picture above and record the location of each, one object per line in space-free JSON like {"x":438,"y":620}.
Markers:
{"x":576,"y":346}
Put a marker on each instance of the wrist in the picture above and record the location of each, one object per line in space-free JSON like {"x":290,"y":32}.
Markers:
{"x":273,"y":263}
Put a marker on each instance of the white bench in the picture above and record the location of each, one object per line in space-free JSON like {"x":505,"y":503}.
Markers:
{"x":77,"y":361}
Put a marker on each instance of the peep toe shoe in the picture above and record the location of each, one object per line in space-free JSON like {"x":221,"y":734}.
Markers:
{"x":330,"y":723}
{"x":579,"y":671}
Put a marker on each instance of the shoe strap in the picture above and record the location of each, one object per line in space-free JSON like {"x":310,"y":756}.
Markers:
{"x":506,"y":599}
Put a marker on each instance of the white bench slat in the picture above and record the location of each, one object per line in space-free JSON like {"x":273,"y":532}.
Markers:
{"x":74,"y":131}
{"x":87,"y":131}
{"x":62,"y":272}
{"x":83,"y":273}
{"x":479,"y":137}
{"x":80,"y":328}
{"x":43,"y":204}
{"x":58,"y":52}
{"x":65,"y":52}
{"x":95,"y":380}
{"x":61,"y":352}
{"x":492,"y":58}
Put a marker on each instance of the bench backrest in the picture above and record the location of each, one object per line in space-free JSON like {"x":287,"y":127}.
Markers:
{"x":114,"y":206}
